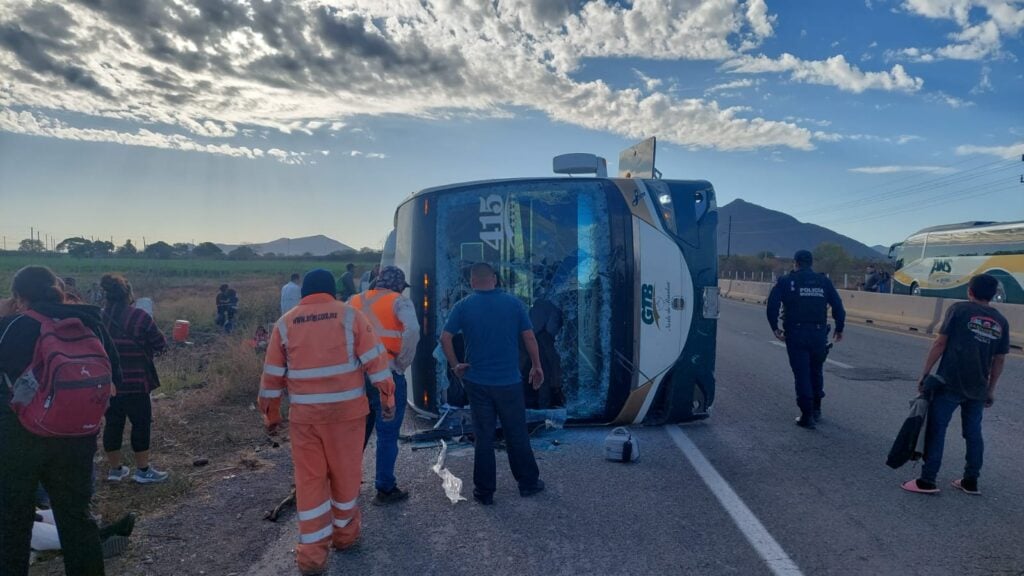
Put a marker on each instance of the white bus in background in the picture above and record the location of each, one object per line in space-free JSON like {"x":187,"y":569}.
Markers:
{"x":940,"y":261}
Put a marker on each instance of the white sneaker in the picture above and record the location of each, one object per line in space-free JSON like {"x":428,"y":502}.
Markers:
{"x":150,"y":476}
{"x":118,"y":474}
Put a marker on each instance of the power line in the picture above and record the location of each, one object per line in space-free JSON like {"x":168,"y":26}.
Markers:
{"x":883,"y":193}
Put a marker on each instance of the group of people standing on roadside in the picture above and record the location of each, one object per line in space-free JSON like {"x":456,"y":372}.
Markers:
{"x":342,"y":365}
{"x":111,"y":353}
{"x":970,"y":352}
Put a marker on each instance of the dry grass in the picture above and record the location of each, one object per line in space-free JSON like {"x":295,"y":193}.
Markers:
{"x":205,"y":406}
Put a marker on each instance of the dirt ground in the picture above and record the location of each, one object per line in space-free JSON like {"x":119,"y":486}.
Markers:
{"x":207,"y":519}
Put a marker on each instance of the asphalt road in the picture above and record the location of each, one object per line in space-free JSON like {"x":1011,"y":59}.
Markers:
{"x":771,"y":497}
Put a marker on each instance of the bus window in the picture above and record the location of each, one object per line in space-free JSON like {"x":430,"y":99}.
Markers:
{"x":552,"y":248}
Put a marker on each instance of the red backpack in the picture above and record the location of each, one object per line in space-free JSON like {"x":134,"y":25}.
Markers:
{"x":66,"y":389}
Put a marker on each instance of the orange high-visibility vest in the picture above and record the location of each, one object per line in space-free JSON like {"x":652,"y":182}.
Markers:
{"x":318,"y":354}
{"x":379,"y":308}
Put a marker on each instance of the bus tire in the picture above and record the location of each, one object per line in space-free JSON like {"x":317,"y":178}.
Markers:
{"x":1009,"y":290}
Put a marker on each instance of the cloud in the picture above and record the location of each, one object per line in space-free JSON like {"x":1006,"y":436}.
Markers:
{"x":361,"y":154}
{"x":840,"y":137}
{"x":1008,"y":152}
{"x":735,"y":84}
{"x":650,"y":84}
{"x":230,"y":68}
{"x":985,"y":83}
{"x":900,"y":169}
{"x":814,"y":121}
{"x":951,"y":101}
{"x":760,"y":21}
{"x":30,"y":124}
{"x":835,"y":71}
{"x":983,"y":26}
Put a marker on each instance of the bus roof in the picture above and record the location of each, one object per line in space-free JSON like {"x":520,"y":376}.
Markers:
{"x":966,"y":226}
{"x":694,"y":184}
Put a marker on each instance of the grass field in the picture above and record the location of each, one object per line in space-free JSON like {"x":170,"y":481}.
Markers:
{"x":169,"y":272}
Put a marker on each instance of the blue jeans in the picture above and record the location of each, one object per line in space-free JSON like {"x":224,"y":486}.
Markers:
{"x":940,"y":412}
{"x":807,"y":350}
{"x":508,"y":403}
{"x":387,"y":432}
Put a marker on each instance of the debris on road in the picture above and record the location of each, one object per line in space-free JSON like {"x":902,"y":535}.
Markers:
{"x":273,"y":514}
{"x":450,"y":482}
{"x":200,"y":462}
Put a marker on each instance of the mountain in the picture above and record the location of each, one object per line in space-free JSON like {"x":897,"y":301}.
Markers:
{"x":883,"y":250}
{"x":318,"y":245}
{"x":757,"y":229}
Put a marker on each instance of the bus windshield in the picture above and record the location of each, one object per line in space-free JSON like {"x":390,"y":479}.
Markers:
{"x":551,"y":245}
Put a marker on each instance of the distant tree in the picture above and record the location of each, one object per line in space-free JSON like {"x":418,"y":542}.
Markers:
{"x":76,"y":246}
{"x":181,"y":249}
{"x":161,"y":250}
{"x":307,"y":254}
{"x":128,"y":249}
{"x":102,"y":248}
{"x":270,"y":255}
{"x":207,"y":250}
{"x":366,"y":250}
{"x":831,"y":259}
{"x":243,"y":253}
{"x":31,"y":245}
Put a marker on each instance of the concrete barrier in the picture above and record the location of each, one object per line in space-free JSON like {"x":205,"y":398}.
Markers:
{"x":921,"y":314}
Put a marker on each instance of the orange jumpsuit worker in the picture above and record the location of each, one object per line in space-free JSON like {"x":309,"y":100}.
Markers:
{"x":319,"y":353}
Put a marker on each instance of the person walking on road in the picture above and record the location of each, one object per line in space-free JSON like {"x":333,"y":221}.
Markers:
{"x":291,"y":293}
{"x":347,"y":283}
{"x":970,"y":350}
{"x":138,"y":341}
{"x":492,"y":322}
{"x":394,"y":320}
{"x":319,"y":353}
{"x":872,"y":279}
{"x":805,"y":296}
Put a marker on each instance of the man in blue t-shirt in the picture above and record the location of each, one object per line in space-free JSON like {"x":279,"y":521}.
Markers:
{"x":492,"y":322}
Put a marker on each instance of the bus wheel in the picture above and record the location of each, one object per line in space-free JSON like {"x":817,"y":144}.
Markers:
{"x":915,"y":290}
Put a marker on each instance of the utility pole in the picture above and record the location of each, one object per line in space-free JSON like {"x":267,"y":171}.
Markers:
{"x":728,"y":249}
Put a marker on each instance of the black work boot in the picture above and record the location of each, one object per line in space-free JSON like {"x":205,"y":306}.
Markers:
{"x":806,"y":421}
{"x":392,"y":496}
{"x":817,"y":410}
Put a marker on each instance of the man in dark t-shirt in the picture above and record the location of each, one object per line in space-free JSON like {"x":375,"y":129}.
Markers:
{"x":492,"y":322}
{"x":971,"y":349}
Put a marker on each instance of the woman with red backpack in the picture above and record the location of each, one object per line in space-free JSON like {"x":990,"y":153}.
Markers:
{"x":57,"y":367}
{"x":138,"y":340}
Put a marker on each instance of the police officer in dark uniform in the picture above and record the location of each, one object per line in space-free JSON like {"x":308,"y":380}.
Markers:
{"x":805,"y":296}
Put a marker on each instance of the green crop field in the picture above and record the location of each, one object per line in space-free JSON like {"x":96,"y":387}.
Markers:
{"x":178,"y":272}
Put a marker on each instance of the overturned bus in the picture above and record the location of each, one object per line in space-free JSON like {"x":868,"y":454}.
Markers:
{"x":619,"y":275}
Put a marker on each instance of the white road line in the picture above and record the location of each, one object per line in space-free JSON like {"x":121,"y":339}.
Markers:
{"x":773,"y":555}
{"x":827,"y":360}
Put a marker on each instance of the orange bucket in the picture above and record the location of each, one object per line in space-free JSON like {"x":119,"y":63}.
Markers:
{"x":180,"y":333}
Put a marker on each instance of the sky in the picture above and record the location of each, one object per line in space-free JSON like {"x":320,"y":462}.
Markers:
{"x":248,"y":120}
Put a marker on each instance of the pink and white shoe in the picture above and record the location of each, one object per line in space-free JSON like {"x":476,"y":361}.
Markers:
{"x":968,"y":486}
{"x":915,"y":486}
